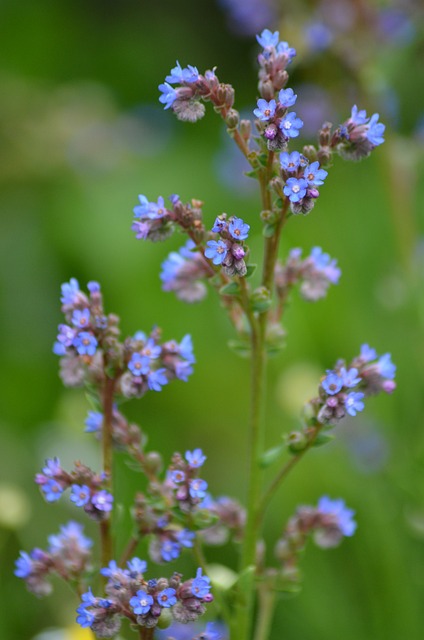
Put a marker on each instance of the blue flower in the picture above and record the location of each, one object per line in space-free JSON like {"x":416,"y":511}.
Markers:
{"x":110,"y":570}
{"x":350,"y":378}
{"x":290,"y":161}
{"x":195,"y":458}
{"x":80,"y":495}
{"x":142,"y":209}
{"x":375,"y":130}
{"x":185,"y":538}
{"x":342,"y":514}
{"x":70,"y":292}
{"x":52,"y":467}
{"x":197,"y":488}
{"x":283,"y":48}
{"x":157,"y":379}
{"x":295,"y":189}
{"x":71,"y":534}
{"x":353,"y":402}
{"x":151,"y":349}
{"x":219,"y":225}
{"x":169,"y":95}
{"x":167,"y":598}
{"x":268,"y":39}
{"x":216,"y":251}
{"x":52,"y":490}
{"x":136,"y":566}
{"x":238,"y":228}
{"x":93,"y":286}
{"x":385,"y":366}
{"x":85,"y":618}
{"x":314,"y":175}
{"x":23,"y":565}
{"x":139,"y":365}
{"x":287,"y":97}
{"x":102,"y":500}
{"x":332,"y":383}
{"x":177,"y":476}
{"x":183,"y":370}
{"x":66,"y":335}
{"x":85,"y":343}
{"x":93,"y":422}
{"x":170,"y":550}
{"x":81,"y":318}
{"x":324,"y":264}
{"x":201,"y":585}
{"x":290,"y":125}
{"x":368,"y":353}
{"x":265,"y":109}
{"x":141,"y":603}
{"x":179,"y":75}
{"x":358,"y":117}
{"x":157,"y":210}
{"x":185,"y":349}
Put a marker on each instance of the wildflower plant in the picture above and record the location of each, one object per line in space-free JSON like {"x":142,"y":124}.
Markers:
{"x":175,"y":512}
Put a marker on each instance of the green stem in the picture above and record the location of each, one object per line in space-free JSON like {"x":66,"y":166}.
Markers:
{"x":107,"y":450}
{"x":265,"y":612}
{"x":128,"y":551}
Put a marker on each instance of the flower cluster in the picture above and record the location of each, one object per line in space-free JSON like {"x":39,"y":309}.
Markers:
{"x":328,"y":522}
{"x":155,"y":221}
{"x":142,"y":601}
{"x":315,"y":273}
{"x":229,"y":251}
{"x":273,"y":61}
{"x":301,"y":181}
{"x":68,"y":556}
{"x":277,"y":124}
{"x":343,"y":389}
{"x":183,"y":272}
{"x":86,"y":487}
{"x":360,"y":134}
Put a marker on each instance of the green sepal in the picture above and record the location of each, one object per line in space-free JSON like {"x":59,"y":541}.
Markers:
{"x":272,"y":455}
{"x":268,"y":231}
{"x":230,"y":289}
{"x":263,"y":159}
{"x":279,"y":202}
{"x":323,"y":438}
{"x":261,"y":305}
{"x":242,"y":349}
{"x":204,"y":518}
{"x":251,"y":268}
{"x":252,"y":174}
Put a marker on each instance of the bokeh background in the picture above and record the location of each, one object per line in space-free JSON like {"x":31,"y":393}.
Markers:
{"x":81,"y":135}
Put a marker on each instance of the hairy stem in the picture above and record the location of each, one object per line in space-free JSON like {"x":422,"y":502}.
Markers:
{"x":265,"y":612}
{"x":107,"y":450}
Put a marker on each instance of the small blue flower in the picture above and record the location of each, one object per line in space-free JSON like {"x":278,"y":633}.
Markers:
{"x":52,"y":490}
{"x":290,"y":161}
{"x":219,"y":225}
{"x":157,"y":210}
{"x":93,"y":422}
{"x":201,"y":585}
{"x":151,"y":349}
{"x":177,"y":476}
{"x":385,"y":366}
{"x":71,"y":534}
{"x":183,"y":370}
{"x":358,"y":117}
{"x":81,"y":318}
{"x":265,"y":110}
{"x":195,"y":458}
{"x":136,"y":566}
{"x":70,"y":292}
{"x":66,"y":335}
{"x":185,"y":349}
{"x":85,"y":618}
{"x":375,"y":130}
{"x":314,"y":175}
{"x":350,"y":378}
{"x":325,"y":265}
{"x":141,"y":603}
{"x":93,"y":287}
{"x":268,"y":39}
{"x":179,"y":75}
{"x":102,"y":500}
{"x":170,"y":550}
{"x":287,"y":98}
{"x":85,"y":343}
{"x":80,"y":495}
{"x":157,"y":379}
{"x":216,"y":251}
{"x":295,"y":189}
{"x":238,"y":228}
{"x":52,"y":467}
{"x":142,"y":209}
{"x":343,"y":515}
{"x":23,"y":565}
{"x":283,"y":48}
{"x":353,"y":402}
{"x":185,"y":538}
{"x":169,"y":95}
{"x":167,"y":598}
{"x":368,"y":353}
{"x":139,"y":365}
{"x":110,"y":570}
{"x":197,"y":488}
{"x":290,"y":125}
{"x":332,"y":383}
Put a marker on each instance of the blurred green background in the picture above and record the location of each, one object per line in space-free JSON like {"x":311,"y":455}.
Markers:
{"x":81,"y":135}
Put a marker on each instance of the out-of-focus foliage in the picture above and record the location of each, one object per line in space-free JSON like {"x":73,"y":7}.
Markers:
{"x":81,"y":134}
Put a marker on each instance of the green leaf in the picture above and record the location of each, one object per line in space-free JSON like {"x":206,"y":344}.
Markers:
{"x":272,"y":455}
{"x":252,"y":174}
{"x":251,"y":268}
{"x":268,"y":231}
{"x":230,"y":289}
{"x":242,"y":349}
{"x":323,"y":438}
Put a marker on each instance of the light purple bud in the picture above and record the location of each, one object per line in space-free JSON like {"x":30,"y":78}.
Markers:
{"x":389,"y":386}
{"x":238,"y":252}
{"x":271,"y":132}
{"x":313,"y":193}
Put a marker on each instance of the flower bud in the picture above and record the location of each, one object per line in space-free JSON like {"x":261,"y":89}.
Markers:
{"x":296,"y":441}
{"x":245,"y":129}
{"x":153,"y":462}
{"x":232,"y":120}
{"x":266,"y":89}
